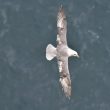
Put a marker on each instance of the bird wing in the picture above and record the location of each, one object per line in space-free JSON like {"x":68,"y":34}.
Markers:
{"x":61,"y":26}
{"x":65,"y":76}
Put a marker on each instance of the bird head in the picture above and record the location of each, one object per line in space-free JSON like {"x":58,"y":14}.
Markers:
{"x":72,"y":53}
{"x":75,"y":54}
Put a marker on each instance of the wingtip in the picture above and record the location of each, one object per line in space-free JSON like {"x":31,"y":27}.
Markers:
{"x":66,"y":86}
{"x":61,"y":12}
{"x":61,"y":7}
{"x":68,"y":97}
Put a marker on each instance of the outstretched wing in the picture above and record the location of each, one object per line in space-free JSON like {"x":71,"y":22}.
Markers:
{"x":62,"y":27}
{"x":65,"y":76}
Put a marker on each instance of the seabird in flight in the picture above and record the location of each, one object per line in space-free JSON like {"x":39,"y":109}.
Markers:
{"x":62,"y":52}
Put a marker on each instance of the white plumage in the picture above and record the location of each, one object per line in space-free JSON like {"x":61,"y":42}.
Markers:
{"x":62,"y":52}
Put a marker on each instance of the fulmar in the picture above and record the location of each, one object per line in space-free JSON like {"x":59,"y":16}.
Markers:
{"x":62,"y":52}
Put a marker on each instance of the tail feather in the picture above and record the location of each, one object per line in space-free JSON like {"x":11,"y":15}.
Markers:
{"x":50,"y":52}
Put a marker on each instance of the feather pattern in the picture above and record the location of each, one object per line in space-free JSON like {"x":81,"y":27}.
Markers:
{"x":61,"y":27}
{"x":65,"y":80}
{"x":62,"y":52}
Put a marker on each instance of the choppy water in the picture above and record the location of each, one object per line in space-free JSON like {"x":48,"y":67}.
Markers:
{"x":28,"y":81}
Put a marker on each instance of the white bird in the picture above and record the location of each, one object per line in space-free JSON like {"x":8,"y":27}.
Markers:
{"x":62,"y":52}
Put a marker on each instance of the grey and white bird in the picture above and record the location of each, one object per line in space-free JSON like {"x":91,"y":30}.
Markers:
{"x":62,"y":52}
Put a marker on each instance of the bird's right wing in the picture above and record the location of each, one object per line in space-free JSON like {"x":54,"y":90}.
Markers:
{"x":65,"y":76}
{"x":61,"y":26}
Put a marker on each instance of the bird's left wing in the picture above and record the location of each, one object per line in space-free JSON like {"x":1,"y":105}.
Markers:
{"x":65,"y":76}
{"x":61,"y":27}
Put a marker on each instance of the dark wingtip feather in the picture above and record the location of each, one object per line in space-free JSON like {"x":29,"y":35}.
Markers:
{"x":61,"y":8}
{"x":61,"y":13}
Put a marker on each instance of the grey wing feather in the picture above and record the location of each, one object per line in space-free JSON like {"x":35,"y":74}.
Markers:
{"x":65,"y":76}
{"x":62,"y":27}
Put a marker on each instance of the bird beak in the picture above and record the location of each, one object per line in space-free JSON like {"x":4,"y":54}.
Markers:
{"x":77,"y":56}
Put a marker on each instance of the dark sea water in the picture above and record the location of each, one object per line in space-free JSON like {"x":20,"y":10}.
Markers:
{"x":28,"y":81}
